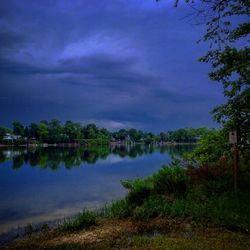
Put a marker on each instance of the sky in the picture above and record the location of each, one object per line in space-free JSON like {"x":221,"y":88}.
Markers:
{"x":117,"y":63}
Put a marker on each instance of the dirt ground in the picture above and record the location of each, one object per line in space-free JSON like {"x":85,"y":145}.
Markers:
{"x":128,"y":234}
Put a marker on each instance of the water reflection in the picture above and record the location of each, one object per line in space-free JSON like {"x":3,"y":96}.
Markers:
{"x":53,"y":158}
{"x":42,"y":184}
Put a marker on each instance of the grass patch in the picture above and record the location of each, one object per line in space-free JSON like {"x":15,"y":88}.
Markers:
{"x":83,"y":220}
{"x":174,"y":192}
{"x":118,"y":209}
{"x":195,"y":243}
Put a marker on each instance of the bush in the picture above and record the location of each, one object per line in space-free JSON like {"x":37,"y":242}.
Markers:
{"x":152,"y":207}
{"x":139,"y":189}
{"x":171,"y":179}
{"x":83,"y":220}
{"x":118,"y":209}
{"x":211,"y":147}
{"x":149,"y":197}
{"x":203,"y":194}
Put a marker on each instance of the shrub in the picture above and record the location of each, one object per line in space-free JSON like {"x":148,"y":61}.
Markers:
{"x":152,"y":207}
{"x":118,"y":209}
{"x":211,"y":147}
{"x":171,"y":179}
{"x":83,"y":220}
{"x":139,"y":189}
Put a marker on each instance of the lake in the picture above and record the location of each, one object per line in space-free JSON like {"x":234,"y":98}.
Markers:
{"x":44,"y":184}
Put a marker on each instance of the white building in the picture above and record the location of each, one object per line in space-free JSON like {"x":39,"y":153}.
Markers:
{"x":11,"y":137}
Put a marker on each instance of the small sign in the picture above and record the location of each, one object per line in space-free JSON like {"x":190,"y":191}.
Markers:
{"x":233,"y":137}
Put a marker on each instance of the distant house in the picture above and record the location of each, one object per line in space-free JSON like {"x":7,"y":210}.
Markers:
{"x":11,"y":137}
{"x":196,"y":138}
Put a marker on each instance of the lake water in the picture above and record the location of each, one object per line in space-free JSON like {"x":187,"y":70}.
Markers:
{"x":39,"y":185}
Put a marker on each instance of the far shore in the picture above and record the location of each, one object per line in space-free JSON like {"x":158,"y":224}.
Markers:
{"x":73,"y":145}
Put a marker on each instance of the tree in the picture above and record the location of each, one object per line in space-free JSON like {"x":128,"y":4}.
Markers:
{"x":72,"y":130}
{"x":55,"y":130}
{"x":18,"y":128}
{"x":90,"y":131}
{"x":43,"y":132}
{"x":3,"y":131}
{"x":212,"y":146}
{"x":228,"y":28}
{"x":135,"y":135}
{"x":164,"y":136}
{"x":33,"y":130}
{"x":121,"y":134}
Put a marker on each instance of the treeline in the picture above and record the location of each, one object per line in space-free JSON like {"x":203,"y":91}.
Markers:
{"x":71,"y":132}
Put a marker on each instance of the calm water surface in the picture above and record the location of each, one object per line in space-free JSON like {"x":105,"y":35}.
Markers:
{"x":39,"y":185}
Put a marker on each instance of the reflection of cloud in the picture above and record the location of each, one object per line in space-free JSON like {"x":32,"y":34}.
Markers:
{"x":57,"y":214}
{"x":112,"y":159}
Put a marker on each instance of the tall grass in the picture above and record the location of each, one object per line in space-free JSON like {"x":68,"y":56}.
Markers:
{"x":83,"y":220}
{"x":175,"y":192}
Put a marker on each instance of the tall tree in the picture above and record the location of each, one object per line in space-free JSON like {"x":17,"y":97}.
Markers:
{"x":18,"y":128}
{"x":3,"y":131}
{"x":228,"y":28}
{"x":43,"y":132}
{"x":55,"y":130}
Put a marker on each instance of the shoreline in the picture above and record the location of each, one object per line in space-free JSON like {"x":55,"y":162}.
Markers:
{"x":156,"y":233}
{"x":76,"y":145}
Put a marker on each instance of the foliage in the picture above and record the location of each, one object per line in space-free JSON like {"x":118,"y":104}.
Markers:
{"x":205,"y":194}
{"x":18,"y":128}
{"x":170,"y":179}
{"x":139,"y":189}
{"x":117,"y":209}
{"x":83,"y":220}
{"x":187,"y":134}
{"x":227,"y":31}
{"x":152,"y":206}
{"x":88,"y":135}
{"x":211,"y":147}
{"x":3,"y":131}
{"x":42,"y":132}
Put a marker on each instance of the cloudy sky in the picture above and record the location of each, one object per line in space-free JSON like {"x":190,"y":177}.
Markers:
{"x":118,"y":63}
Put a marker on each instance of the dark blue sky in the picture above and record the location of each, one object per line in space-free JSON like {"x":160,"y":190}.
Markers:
{"x":118,"y":63}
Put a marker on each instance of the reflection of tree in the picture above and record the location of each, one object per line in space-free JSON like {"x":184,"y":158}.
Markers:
{"x":177,"y":150}
{"x":2,"y":157}
{"x":17,"y":161}
{"x":53,"y":158}
{"x":133,"y":151}
{"x":33,"y":158}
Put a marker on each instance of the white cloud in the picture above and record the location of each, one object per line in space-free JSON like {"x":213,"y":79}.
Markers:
{"x":101,"y":43}
{"x":111,"y":124}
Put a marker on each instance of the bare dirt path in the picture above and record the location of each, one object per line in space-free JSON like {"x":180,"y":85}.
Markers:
{"x":127,"y":234}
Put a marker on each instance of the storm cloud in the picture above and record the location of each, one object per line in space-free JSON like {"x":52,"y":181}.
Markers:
{"x":116,"y":63}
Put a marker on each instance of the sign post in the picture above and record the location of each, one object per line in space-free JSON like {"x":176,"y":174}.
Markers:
{"x":233,"y":141}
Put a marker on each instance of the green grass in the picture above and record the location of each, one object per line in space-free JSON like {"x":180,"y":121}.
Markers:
{"x":171,"y":193}
{"x":83,"y":220}
{"x":118,"y":209}
{"x":195,"y":243}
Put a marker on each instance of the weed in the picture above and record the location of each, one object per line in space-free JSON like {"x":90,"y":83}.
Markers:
{"x":83,"y":220}
{"x":117,"y":209}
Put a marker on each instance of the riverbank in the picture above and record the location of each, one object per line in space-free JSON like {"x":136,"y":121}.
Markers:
{"x":111,"y":144}
{"x":157,"y":233}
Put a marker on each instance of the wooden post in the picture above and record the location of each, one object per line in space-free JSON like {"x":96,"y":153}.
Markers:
{"x":235,"y":168}
{"x":233,"y":140}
